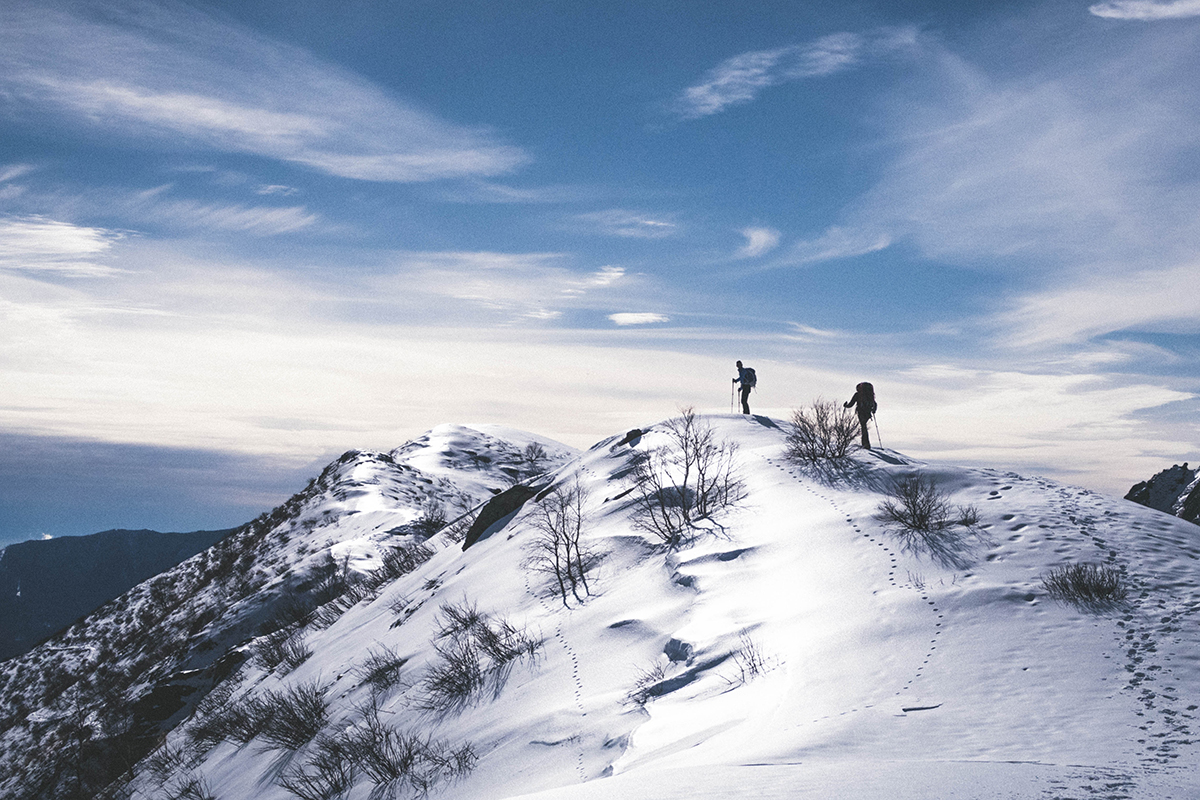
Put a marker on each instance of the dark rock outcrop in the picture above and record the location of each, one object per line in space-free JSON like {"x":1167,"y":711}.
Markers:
{"x":1175,"y":491}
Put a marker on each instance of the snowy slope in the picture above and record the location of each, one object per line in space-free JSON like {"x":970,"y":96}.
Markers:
{"x":77,"y":710}
{"x":793,"y":649}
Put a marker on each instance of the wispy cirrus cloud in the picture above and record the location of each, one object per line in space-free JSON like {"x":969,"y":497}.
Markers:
{"x":41,"y":245}
{"x":1147,"y":10}
{"x":1148,"y":300}
{"x":834,"y":243}
{"x":14,"y":171}
{"x":254,"y":220}
{"x":629,"y":224}
{"x":169,"y":72}
{"x":741,"y":78}
{"x":512,"y":286}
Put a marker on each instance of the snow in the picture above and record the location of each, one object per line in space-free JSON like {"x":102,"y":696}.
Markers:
{"x":880,"y":672}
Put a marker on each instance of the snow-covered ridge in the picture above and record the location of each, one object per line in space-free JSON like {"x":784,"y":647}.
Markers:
{"x":789,"y":646}
{"x":144,"y":660}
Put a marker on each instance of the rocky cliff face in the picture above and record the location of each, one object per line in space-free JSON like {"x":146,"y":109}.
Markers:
{"x":1175,"y":491}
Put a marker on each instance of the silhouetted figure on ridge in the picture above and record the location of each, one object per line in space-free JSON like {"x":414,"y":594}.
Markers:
{"x":864,"y":398}
{"x":747,"y":380}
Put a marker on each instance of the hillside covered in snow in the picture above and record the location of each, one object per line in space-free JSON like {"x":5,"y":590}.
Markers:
{"x":681,"y":611}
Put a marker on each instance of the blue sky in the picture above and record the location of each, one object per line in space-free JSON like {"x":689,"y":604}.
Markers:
{"x":238,"y":239}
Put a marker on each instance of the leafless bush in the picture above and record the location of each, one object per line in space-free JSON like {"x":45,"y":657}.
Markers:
{"x":557,"y":549}
{"x":328,"y":774}
{"x":397,"y":763}
{"x":475,"y":652}
{"x":918,"y":513}
{"x":399,"y":561}
{"x":238,"y":721}
{"x":644,"y":683}
{"x":688,"y":479}
{"x":164,"y":763}
{"x":191,"y":787}
{"x":381,"y":669}
{"x":1088,"y":586}
{"x":749,"y":660}
{"x":823,"y":431}
{"x":207,"y":727}
{"x":294,"y":716}
{"x":432,"y":519}
{"x":281,"y":648}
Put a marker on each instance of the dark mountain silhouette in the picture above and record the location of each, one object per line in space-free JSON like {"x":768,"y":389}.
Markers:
{"x":47,"y":584}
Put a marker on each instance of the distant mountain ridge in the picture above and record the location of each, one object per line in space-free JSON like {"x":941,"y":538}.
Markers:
{"x":1175,"y":491}
{"x":47,"y":584}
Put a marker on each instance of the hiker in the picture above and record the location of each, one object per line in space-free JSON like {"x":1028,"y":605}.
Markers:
{"x":748,"y":381}
{"x":864,"y":398}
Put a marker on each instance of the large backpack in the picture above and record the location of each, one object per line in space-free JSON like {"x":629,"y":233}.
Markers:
{"x":866,"y":396}
{"x":750,"y":380}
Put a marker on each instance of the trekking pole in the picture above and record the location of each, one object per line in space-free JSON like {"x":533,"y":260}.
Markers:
{"x":732,"y":396}
{"x":878,"y":438}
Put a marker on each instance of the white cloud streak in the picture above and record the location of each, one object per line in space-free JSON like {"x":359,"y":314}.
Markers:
{"x":255,"y":220}
{"x":507,"y":286}
{"x":833,"y":244}
{"x":1147,"y":10}
{"x":1162,"y":300}
{"x":627,"y":224}
{"x":172,"y":73}
{"x":14,"y":171}
{"x":40,"y":245}
{"x":741,"y":78}
{"x":638,"y":318}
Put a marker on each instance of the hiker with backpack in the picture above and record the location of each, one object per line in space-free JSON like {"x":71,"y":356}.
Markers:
{"x":748,"y":380}
{"x":864,"y":398}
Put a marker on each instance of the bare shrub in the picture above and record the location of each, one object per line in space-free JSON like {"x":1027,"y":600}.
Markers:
{"x":645,"y":682}
{"x":749,"y":660}
{"x":1088,"y":586}
{"x":281,"y":648}
{"x":239,"y":721}
{"x":557,"y":549}
{"x":918,"y":513}
{"x":399,"y":561}
{"x":823,"y":431}
{"x":328,"y":774}
{"x":381,"y":669}
{"x":475,"y":652}
{"x":294,"y":716}
{"x":191,"y":787}
{"x":208,"y":726}
{"x":688,"y":479}
{"x":398,"y":762}
{"x":432,"y":519}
